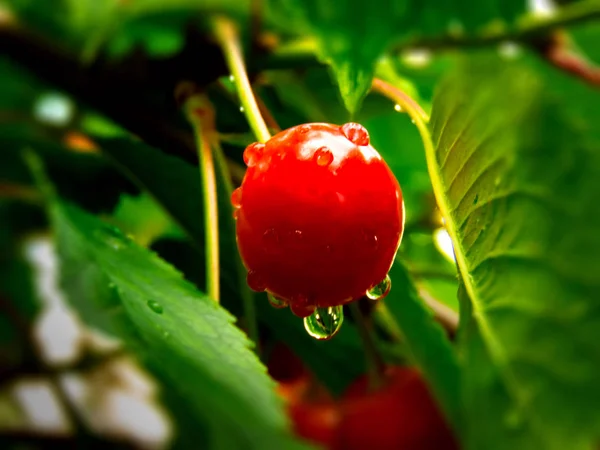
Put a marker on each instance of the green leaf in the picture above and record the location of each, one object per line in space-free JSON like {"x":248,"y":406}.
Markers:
{"x":188,"y":337}
{"x":352,"y":35}
{"x":516,"y":171}
{"x":427,"y":342}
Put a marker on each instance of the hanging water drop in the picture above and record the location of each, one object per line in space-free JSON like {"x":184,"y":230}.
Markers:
{"x":381,"y":289}
{"x":276,"y":302}
{"x":323,"y":156}
{"x":356,"y":133}
{"x":253,"y":153}
{"x":155,"y":306}
{"x":324,"y":323}
{"x":241,"y":109}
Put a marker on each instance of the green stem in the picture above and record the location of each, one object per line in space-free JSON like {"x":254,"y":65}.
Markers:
{"x":228,"y":38}
{"x":247,"y":297}
{"x":200,"y":115}
{"x":375,"y":365}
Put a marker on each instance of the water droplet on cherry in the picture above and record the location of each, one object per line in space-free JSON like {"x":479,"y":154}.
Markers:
{"x":276,"y":302}
{"x":381,"y":289}
{"x":236,"y":198}
{"x":324,"y":323}
{"x":255,"y":281}
{"x":356,"y":133}
{"x":236,"y":213}
{"x":253,"y":153}
{"x":323,"y":156}
{"x":302,"y":306}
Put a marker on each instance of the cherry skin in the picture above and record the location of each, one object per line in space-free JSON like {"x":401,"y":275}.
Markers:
{"x":319,"y":216}
{"x":400,"y":415}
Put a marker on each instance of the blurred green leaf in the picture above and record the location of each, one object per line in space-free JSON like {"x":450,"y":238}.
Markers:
{"x":189,"y":337}
{"x":518,"y":155}
{"x":426,"y":342}
{"x":352,"y":35}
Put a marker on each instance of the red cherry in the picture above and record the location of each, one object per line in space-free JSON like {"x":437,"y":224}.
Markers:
{"x":317,"y":422}
{"x":400,"y":415}
{"x":320,"y":216}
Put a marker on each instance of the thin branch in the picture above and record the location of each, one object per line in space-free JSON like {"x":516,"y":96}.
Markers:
{"x":201,"y":117}
{"x":375,"y":364}
{"x":228,"y":37}
{"x":443,"y":314}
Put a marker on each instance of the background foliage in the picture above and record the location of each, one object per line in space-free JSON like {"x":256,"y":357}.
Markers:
{"x":97,"y":156}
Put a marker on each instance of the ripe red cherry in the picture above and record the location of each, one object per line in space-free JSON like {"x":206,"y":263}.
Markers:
{"x":320,"y":216}
{"x":400,"y":415}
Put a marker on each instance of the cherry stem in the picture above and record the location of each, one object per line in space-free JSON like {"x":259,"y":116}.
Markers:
{"x":375,"y":365}
{"x":245,"y":293}
{"x":228,"y":37}
{"x":387,"y":321}
{"x":200,"y":115}
{"x":398,"y":96}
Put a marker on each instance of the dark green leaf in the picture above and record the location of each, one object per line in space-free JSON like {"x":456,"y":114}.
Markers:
{"x":426,"y":342}
{"x":518,"y":161}
{"x":187,"y":335}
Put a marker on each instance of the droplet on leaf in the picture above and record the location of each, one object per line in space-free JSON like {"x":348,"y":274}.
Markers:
{"x":155,"y":306}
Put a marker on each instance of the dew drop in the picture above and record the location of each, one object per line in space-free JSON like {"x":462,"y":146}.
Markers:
{"x":324,"y":323}
{"x":276,"y":302}
{"x":255,"y":281}
{"x":236,"y":213}
{"x":155,"y":306}
{"x":356,"y":133}
{"x":231,"y":78}
{"x":112,"y":236}
{"x":412,"y":121}
{"x":241,"y":109}
{"x":323,"y":156}
{"x":397,"y":107}
{"x":236,"y":198}
{"x":303,"y":129}
{"x":302,"y":306}
{"x":253,"y":153}
{"x":381,"y":289}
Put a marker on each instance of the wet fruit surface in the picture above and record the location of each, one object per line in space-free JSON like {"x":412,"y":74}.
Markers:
{"x":319,"y":216}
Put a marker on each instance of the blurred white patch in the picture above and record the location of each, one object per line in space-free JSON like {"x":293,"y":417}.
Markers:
{"x":443,"y":242}
{"x":542,"y":8}
{"x":416,"y":57}
{"x":57,"y":329}
{"x":39,"y":404}
{"x":509,"y":50}
{"x":58,"y":334}
{"x":54,"y":109}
